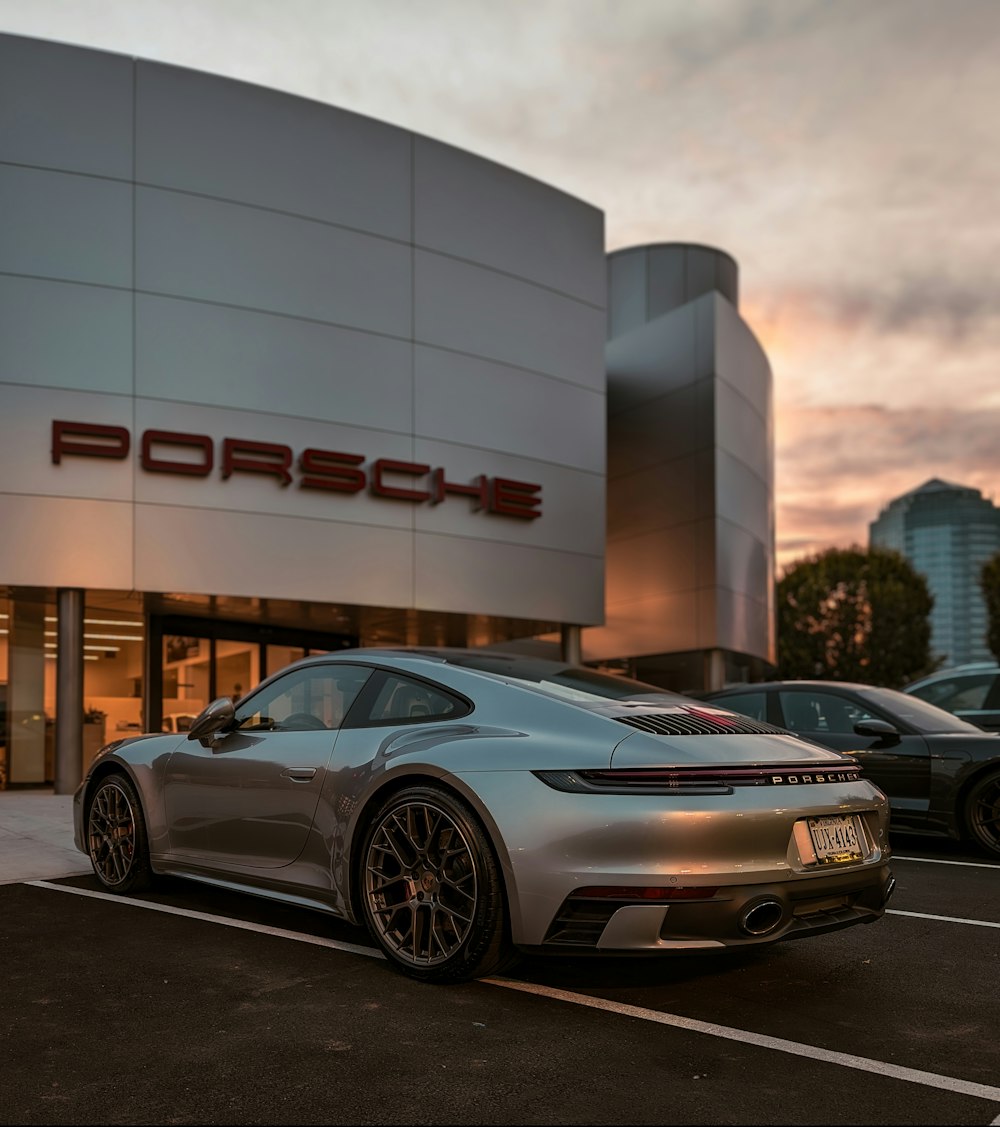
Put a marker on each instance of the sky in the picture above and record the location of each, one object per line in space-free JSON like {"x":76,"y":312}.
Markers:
{"x":845,"y":152}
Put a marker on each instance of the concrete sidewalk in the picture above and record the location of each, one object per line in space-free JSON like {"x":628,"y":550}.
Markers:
{"x":36,"y":836}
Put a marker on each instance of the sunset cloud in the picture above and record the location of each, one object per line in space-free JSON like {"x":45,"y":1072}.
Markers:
{"x":873,"y":454}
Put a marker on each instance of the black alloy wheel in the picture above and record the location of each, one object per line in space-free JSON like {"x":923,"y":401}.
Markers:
{"x":432,"y":892}
{"x":982,"y":812}
{"x":116,"y":836}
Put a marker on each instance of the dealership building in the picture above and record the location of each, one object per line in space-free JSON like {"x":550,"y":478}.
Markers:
{"x":277,"y":379}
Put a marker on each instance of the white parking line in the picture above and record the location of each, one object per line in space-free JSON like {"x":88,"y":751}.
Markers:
{"x":935,"y":861}
{"x":943,"y":919}
{"x":846,"y":1060}
{"x":881,"y":1068}
{"x":301,"y":937}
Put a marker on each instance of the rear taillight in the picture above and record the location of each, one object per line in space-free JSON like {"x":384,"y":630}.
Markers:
{"x":696,"y":780}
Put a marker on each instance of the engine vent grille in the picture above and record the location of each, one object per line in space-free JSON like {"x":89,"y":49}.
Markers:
{"x":699,"y":722}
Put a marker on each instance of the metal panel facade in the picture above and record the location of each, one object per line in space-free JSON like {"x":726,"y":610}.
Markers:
{"x":210,"y":136}
{"x":241,"y":264}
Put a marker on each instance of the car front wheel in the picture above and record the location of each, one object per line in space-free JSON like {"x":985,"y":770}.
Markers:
{"x":982,"y":812}
{"x":433,"y":896}
{"x":116,"y":836}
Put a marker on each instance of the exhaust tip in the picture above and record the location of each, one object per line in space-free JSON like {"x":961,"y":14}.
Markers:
{"x":762,"y":918}
{"x":890,"y":888}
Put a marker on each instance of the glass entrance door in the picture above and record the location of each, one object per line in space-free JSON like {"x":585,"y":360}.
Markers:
{"x":194,"y":661}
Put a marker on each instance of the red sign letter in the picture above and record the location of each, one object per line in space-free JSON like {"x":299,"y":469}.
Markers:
{"x":325,"y":469}
{"x":515,"y":498}
{"x":387,"y":464}
{"x":175,"y":438}
{"x":480,"y":491}
{"x":92,"y":439}
{"x":256,"y":457}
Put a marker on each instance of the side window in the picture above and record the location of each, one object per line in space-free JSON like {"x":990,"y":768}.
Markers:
{"x":822,"y":712}
{"x":993,"y":696}
{"x":958,"y":692}
{"x":399,"y":698}
{"x":753,"y":705}
{"x":310,"y":699}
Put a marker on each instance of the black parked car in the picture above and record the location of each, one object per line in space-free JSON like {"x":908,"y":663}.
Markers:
{"x":971,"y":691}
{"x":941,"y":774}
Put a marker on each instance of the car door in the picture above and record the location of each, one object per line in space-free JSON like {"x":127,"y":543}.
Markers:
{"x":249,"y":797}
{"x":901,"y":768}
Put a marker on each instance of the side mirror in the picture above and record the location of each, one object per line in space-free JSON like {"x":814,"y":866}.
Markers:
{"x":881,"y":730}
{"x":218,"y":716}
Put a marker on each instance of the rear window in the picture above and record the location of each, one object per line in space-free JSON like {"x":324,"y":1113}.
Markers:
{"x":956,"y":693}
{"x":572,"y":682}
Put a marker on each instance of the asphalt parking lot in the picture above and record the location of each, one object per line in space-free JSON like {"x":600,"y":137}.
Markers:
{"x":195,"y":1006}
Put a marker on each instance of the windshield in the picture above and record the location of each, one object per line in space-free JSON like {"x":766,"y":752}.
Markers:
{"x":924,"y":717}
{"x":572,"y":682}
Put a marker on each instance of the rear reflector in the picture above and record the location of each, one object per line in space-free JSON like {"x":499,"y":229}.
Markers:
{"x":631,"y":892}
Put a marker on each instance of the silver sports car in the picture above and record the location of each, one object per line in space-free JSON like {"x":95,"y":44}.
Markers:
{"x":467,"y":805}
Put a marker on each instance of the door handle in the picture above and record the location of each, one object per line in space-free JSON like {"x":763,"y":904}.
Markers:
{"x":299,"y":774}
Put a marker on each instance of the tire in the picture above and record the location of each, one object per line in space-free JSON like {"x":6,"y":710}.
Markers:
{"x":982,"y":812}
{"x":432,"y":893}
{"x":116,"y":836}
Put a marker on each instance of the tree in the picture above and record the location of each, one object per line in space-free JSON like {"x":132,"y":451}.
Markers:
{"x":852,"y":615}
{"x":989,"y":581}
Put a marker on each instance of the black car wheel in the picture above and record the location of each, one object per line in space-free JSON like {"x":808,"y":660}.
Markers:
{"x":982,"y":812}
{"x":432,"y":892}
{"x":116,"y":836}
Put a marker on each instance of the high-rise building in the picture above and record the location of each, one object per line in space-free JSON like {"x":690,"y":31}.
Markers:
{"x":947,"y":532}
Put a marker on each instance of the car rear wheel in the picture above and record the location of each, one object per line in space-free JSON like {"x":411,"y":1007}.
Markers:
{"x":433,"y":894}
{"x":982,"y":812}
{"x":116,"y":836}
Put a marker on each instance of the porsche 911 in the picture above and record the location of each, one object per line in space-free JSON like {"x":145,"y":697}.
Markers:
{"x":468,"y":806}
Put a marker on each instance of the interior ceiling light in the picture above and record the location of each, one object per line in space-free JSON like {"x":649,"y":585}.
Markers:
{"x":100,"y":649}
{"x":110,"y":637}
{"x":134,"y":624}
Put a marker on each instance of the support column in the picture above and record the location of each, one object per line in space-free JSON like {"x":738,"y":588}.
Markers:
{"x":572,"y":650}
{"x":714,"y":670}
{"x":69,"y":691}
{"x":26,"y":691}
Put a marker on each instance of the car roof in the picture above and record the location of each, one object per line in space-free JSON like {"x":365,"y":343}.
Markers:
{"x":469,"y":659}
{"x":754,"y":686}
{"x":492,"y":665}
{"x":452,"y":655}
{"x":968,"y":668}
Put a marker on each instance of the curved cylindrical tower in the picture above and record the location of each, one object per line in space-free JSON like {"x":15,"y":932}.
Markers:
{"x":690,"y":551}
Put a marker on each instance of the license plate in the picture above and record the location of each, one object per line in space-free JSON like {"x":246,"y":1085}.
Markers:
{"x":836,"y":838}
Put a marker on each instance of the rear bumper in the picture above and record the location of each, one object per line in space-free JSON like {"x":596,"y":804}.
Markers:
{"x":740,"y":916}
